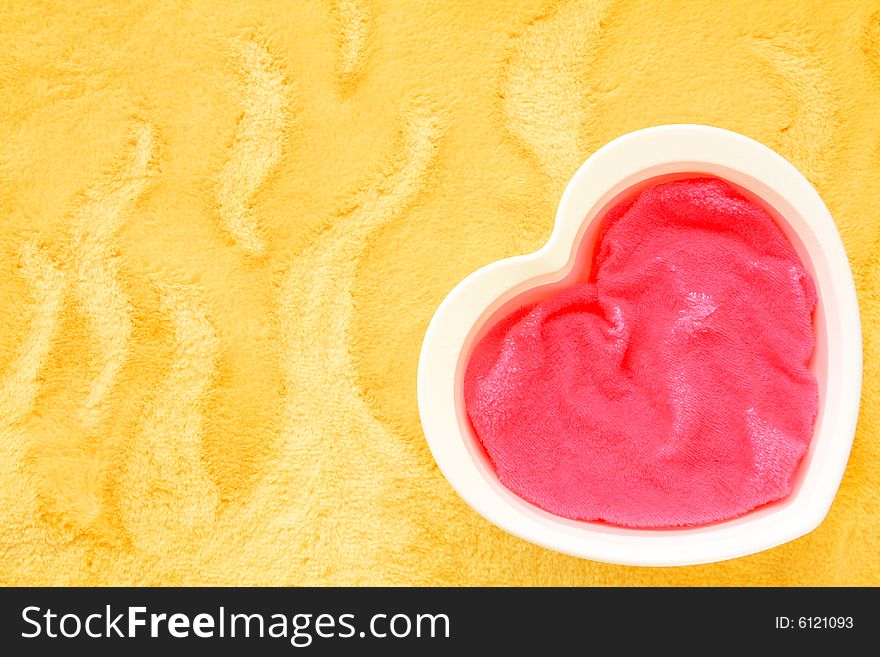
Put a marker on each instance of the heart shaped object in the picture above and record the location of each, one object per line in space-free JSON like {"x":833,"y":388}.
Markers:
{"x":620,"y":169}
{"x":669,"y":387}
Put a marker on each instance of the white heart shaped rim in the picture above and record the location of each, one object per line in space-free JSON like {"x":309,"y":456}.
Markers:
{"x":635,"y":157}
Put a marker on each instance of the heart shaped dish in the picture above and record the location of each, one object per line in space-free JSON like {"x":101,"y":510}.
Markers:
{"x":624,"y":166}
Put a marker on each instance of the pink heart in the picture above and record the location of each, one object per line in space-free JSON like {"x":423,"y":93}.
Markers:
{"x":672,"y":387}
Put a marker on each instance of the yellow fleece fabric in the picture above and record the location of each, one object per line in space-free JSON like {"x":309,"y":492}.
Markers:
{"x":225,"y":226}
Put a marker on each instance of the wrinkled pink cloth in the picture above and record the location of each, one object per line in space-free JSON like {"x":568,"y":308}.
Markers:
{"x":669,"y":389}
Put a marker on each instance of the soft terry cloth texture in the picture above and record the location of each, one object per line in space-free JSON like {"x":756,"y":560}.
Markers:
{"x":670,"y":389}
{"x":197,"y":396}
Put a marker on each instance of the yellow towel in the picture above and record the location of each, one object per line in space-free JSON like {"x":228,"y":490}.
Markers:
{"x":224,"y":228}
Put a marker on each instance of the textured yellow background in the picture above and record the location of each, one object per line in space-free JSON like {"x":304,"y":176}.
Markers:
{"x":225,"y":226}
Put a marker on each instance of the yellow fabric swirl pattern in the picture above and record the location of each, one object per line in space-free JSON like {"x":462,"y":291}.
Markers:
{"x":223,"y":233}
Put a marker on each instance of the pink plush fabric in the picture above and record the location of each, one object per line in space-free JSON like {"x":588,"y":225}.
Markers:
{"x":671,"y":388}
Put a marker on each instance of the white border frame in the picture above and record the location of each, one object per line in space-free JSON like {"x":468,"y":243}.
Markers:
{"x":626,"y":160}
